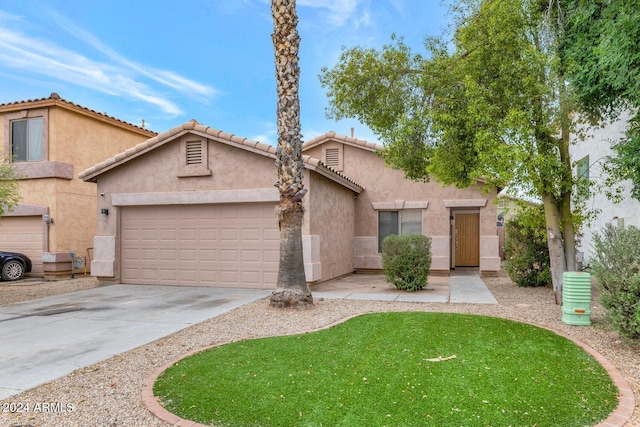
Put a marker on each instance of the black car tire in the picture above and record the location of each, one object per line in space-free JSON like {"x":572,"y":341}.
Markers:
{"x":12,"y":270}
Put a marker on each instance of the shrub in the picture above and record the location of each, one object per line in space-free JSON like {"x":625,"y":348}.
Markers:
{"x":616,"y":266}
{"x":406,"y":261}
{"x":527,"y":254}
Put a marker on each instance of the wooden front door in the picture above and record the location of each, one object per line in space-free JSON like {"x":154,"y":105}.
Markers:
{"x":467,"y":240}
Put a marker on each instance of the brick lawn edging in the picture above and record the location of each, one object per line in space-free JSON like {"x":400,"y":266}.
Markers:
{"x":618,"y":418}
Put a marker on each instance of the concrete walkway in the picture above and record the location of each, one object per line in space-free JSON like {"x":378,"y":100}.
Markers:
{"x":466,"y":287}
{"x":461,"y":287}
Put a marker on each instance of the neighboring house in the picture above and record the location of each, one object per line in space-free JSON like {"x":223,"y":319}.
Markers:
{"x":588,"y":156}
{"x":49,"y":141}
{"x":195,"y":206}
{"x":509,"y":202}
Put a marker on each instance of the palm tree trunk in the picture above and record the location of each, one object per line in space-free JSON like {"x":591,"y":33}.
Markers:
{"x":291,"y":289}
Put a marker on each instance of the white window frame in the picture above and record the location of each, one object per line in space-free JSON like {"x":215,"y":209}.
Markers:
{"x":11,"y":118}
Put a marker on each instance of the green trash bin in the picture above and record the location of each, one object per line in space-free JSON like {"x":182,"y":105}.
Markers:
{"x":576,"y":298}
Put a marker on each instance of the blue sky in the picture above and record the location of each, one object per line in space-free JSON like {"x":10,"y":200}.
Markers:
{"x":211,"y":60}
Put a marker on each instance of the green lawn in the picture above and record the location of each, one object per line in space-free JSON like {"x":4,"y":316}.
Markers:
{"x":373,"y":371}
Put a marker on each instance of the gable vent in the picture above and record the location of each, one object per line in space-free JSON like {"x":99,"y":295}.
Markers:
{"x":332,"y":157}
{"x":194,"y":152}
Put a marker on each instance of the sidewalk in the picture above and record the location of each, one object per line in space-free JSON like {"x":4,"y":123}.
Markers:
{"x":461,"y":287}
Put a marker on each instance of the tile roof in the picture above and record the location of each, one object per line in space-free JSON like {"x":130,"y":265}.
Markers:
{"x":193,"y":126}
{"x":349,"y":140}
{"x":55,"y":99}
{"x":332,"y":136}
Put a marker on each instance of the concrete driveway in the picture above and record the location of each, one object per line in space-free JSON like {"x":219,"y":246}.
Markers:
{"x":51,"y":337}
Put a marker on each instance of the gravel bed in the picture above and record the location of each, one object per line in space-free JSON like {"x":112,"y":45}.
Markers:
{"x":34,"y":288}
{"x":108,"y":393}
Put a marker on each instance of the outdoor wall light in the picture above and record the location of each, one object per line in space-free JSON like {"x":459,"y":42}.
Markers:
{"x":104,"y":211}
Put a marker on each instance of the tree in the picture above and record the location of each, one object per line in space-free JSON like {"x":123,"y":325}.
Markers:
{"x":291,"y":289}
{"x":9,"y":194}
{"x":603,"y":65}
{"x":527,"y":260}
{"x":490,"y":102}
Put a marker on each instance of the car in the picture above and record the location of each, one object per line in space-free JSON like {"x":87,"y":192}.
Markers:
{"x":14,"y":265}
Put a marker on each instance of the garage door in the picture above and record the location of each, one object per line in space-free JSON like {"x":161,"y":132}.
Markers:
{"x":234,"y":245}
{"x":23,"y":234}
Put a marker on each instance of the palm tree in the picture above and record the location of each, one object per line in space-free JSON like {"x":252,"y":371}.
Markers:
{"x":291,"y":289}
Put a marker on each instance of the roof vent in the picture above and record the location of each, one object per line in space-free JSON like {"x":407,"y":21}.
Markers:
{"x":194,"y":153}
{"x":332,"y":157}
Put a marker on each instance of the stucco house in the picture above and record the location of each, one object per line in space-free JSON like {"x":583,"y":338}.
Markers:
{"x":195,"y":206}
{"x":460,"y":222}
{"x":50,"y":140}
{"x":589,"y":156}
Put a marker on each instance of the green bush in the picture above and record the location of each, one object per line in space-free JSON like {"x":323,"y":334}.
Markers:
{"x":406,"y":261}
{"x":527,"y":254}
{"x":616,"y":266}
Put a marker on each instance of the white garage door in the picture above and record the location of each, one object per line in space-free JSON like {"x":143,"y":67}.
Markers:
{"x":233,"y":245}
{"x":23,"y":234}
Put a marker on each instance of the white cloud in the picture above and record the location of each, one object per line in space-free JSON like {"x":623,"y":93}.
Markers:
{"x":399,"y":6}
{"x":269,"y":136}
{"x":339,"y":12}
{"x":4,"y":16}
{"x":164,"y":77}
{"x":119,"y":77}
{"x":265,"y":139}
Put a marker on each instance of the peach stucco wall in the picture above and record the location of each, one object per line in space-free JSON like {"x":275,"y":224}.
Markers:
{"x":331,"y":212}
{"x":387,"y":187}
{"x":158,"y":170}
{"x":76,"y":141}
{"x":236,"y":175}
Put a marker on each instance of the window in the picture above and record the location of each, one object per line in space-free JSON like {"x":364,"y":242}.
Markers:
{"x":403,"y":222}
{"x":26,"y":140}
{"x":582,"y":178}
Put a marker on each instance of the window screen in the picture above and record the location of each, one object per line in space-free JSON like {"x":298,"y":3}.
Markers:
{"x":403,"y":222}
{"x":26,"y":140}
{"x":582,"y":173}
{"x":411,"y":222}
{"x":387,"y":224}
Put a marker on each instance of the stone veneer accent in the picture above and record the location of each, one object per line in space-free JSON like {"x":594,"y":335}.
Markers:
{"x":311,"y":255}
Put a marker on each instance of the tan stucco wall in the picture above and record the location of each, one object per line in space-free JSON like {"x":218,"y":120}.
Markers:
{"x":77,"y":141}
{"x":157,"y":171}
{"x":385,"y":185}
{"x":237,"y":175}
{"x":331,"y":209}
{"x":231,"y":168}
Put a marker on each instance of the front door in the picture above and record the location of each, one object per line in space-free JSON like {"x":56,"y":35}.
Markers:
{"x":467,"y":240}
